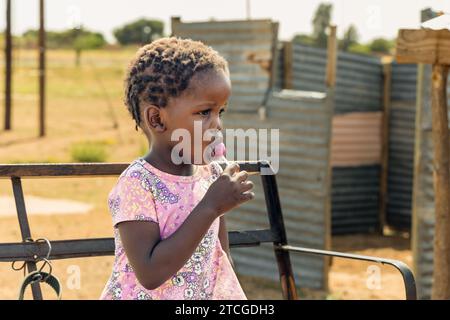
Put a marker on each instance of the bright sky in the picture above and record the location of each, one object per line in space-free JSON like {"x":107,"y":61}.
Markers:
{"x":372,"y":18}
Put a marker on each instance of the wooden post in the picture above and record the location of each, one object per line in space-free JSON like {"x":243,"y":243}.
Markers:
{"x":8,"y":67}
{"x":274,"y":57}
{"x":385,"y":144}
{"x":441,"y":262}
{"x":41,"y":68}
{"x":288,"y":73}
{"x":433,"y":47}
{"x":330,"y":82}
{"x":174,"y":21}
{"x":330,"y":79}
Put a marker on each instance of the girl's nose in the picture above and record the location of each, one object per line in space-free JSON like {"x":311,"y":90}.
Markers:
{"x":217,"y":123}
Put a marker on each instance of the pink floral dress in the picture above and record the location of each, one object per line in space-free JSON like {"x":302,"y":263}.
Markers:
{"x":145,"y":193}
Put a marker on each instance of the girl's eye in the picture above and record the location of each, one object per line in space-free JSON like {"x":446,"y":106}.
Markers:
{"x":221,"y":112}
{"x":205,"y":112}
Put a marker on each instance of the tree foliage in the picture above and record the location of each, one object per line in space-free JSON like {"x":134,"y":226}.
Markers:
{"x":140,"y":32}
{"x":321,"y":21}
{"x":350,"y":38}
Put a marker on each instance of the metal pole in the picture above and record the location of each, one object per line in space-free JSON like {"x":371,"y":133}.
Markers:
{"x":25,"y":230}
{"x":8,"y":67}
{"x":41,"y":69}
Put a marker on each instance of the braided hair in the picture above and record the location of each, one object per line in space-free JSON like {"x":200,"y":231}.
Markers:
{"x":163,"y":69}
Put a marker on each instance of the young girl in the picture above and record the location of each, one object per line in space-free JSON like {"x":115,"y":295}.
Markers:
{"x":169,"y":226}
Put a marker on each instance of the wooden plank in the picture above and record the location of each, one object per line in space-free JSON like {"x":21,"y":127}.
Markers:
{"x":421,"y":197}
{"x":273,"y":59}
{"x":287,"y":65}
{"x":330,"y":79}
{"x":423,"y":46}
{"x":387,"y":73}
{"x":441,"y":173}
{"x":328,"y":178}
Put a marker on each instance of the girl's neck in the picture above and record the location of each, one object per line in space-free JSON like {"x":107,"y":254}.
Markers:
{"x":161,"y":159}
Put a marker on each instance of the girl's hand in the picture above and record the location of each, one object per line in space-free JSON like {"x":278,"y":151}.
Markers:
{"x":228,"y":191}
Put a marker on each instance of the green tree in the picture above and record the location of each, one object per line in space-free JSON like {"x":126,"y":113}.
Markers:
{"x":67,"y":39}
{"x":321,"y":21}
{"x":381,"y":45}
{"x":304,"y":39}
{"x":139,"y":32}
{"x":359,"y":48}
{"x":29,"y":39}
{"x":87,"y":41}
{"x":350,"y":38}
{"x":78,"y":39}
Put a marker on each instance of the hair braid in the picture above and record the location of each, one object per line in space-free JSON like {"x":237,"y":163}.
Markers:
{"x":163,"y":69}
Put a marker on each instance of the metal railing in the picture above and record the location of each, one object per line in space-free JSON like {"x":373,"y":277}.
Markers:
{"x":31,"y":251}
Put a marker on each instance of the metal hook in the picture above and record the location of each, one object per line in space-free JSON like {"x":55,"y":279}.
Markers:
{"x":48,"y":244}
{"x":24,"y":263}
{"x":20,"y":268}
{"x":50,"y":269}
{"x":46,"y":259}
{"x":37,"y":259}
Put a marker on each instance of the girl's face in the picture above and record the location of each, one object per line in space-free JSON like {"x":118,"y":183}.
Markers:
{"x":201,"y":105}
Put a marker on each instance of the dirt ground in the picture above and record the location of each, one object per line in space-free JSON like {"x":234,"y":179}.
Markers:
{"x":79,"y":104}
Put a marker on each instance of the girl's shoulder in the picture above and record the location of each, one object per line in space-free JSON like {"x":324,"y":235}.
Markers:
{"x":129,"y":169}
{"x":131,"y":197}
{"x":133,"y":170}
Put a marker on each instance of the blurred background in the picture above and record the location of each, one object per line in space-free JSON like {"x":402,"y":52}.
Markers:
{"x":347,"y":150}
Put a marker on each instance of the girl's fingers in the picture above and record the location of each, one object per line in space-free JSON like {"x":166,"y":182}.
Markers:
{"x":231,"y":169}
{"x":242,"y":176}
{"x":246,"y":196}
{"x":246,"y":185}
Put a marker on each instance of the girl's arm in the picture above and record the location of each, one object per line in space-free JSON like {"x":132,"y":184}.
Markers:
{"x":153,"y":260}
{"x":223,"y":236}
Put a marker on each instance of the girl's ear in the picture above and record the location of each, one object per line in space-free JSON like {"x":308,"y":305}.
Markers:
{"x":152,"y":117}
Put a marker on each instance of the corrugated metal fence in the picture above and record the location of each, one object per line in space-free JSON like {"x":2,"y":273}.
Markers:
{"x":356,"y":146}
{"x":303,"y":181}
{"x":304,"y":122}
{"x":306,"y":151}
{"x":248,"y":46}
{"x":401,"y":145}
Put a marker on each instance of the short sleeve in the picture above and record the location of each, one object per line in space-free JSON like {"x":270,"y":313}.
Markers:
{"x":129,"y":201}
